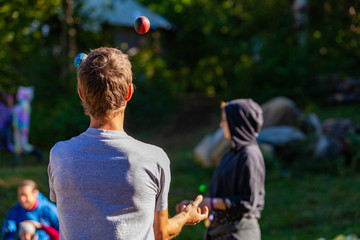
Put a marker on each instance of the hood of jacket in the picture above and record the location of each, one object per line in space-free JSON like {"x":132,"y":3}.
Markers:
{"x":245,"y":119}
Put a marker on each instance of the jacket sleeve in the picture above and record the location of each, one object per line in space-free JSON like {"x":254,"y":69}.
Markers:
{"x":9,"y":229}
{"x":52,"y":232}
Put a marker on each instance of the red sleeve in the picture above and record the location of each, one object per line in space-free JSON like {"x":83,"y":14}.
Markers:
{"x":52,"y":232}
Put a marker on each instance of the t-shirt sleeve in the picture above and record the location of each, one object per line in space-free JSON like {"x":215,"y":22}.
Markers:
{"x":164,"y":180}
{"x":51,"y":179}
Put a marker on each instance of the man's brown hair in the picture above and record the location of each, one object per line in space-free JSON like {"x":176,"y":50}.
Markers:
{"x":104,"y":78}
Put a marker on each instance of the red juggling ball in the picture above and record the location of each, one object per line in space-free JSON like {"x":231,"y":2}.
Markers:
{"x":142,"y":25}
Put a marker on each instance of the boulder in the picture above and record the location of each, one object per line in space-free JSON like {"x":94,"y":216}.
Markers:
{"x":280,"y":136}
{"x":327,"y":147}
{"x":311,"y":125}
{"x":280,"y":111}
{"x":211,"y":148}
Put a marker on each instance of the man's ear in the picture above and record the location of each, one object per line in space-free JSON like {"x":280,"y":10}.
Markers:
{"x":130,"y":92}
{"x":80,"y":95}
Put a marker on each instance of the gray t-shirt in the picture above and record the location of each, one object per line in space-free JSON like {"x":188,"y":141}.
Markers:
{"x":107,"y":185}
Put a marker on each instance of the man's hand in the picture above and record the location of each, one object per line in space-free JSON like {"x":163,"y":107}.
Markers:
{"x":189,"y":213}
{"x":180,"y":205}
{"x":204,"y":202}
{"x":194,"y":213}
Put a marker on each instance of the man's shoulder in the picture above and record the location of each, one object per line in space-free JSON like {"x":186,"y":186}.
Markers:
{"x":65,"y":144}
{"x":149,"y":151}
{"x":149,"y":148}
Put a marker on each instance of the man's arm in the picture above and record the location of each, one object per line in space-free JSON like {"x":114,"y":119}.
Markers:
{"x":167,"y":228}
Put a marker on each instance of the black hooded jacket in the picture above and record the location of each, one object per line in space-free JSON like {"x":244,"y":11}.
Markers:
{"x":240,"y":176}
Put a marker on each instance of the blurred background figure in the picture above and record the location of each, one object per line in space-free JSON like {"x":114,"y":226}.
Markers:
{"x":5,"y":123}
{"x":237,"y":189}
{"x":32,"y":217}
{"x":21,"y":124}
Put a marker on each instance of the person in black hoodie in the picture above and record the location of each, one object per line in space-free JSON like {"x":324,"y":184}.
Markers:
{"x":237,"y":192}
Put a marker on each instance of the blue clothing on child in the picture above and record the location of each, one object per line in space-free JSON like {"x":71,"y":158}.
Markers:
{"x":45,"y":212}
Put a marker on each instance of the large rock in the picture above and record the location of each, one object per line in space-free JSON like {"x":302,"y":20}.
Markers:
{"x":334,"y":139}
{"x":211,"y":148}
{"x":339,"y":127}
{"x":327,"y":147}
{"x":311,"y":125}
{"x":280,"y":136}
{"x":280,"y":111}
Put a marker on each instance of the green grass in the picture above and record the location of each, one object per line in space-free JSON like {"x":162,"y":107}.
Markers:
{"x":308,"y":207}
{"x":311,"y":207}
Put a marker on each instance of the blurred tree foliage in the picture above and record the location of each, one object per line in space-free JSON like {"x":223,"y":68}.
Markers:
{"x":20,"y":36}
{"x":226,"y":48}
{"x":251,"y":48}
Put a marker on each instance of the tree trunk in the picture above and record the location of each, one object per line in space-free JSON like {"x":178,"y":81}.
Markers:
{"x":300,"y":8}
{"x":68,"y":37}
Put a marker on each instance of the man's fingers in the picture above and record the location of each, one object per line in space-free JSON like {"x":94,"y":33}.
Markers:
{"x":205,"y":211}
{"x":183,"y":207}
{"x":179,"y":207}
{"x":185,"y":202}
{"x":198,"y":200}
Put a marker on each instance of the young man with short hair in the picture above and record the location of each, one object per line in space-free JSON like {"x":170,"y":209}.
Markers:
{"x":108,"y":185}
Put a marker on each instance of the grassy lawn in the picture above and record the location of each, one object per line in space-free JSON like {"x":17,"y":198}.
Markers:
{"x":306,"y":207}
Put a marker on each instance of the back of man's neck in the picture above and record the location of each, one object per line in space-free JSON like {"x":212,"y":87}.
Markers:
{"x":115,"y":123}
